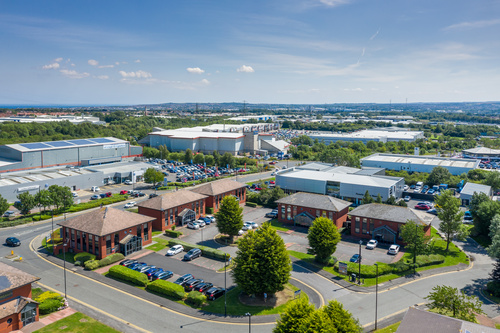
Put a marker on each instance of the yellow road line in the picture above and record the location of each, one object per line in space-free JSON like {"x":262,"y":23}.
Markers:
{"x":391,"y":315}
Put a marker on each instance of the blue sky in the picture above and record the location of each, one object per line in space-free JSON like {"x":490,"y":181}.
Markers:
{"x":272,"y":51}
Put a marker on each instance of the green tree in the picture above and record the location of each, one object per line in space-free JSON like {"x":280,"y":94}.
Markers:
{"x":229,"y":217}
{"x":216,"y":156}
{"x":43,"y":199}
{"x":367,"y":198}
{"x":414,"y":236}
{"x":25,"y":203}
{"x":494,"y":248}
{"x":451,"y":216}
{"x":294,"y":316}
{"x":323,"y":238}
{"x":379,"y":199}
{"x":342,"y":319}
{"x":318,"y":322}
{"x":162,"y":149}
{"x":188,"y":156}
{"x":484,"y":214}
{"x":55,"y":198}
{"x":262,"y":264}
{"x":66,"y":197}
{"x":153,"y":176}
{"x":209,"y":159}
{"x":227,"y":159}
{"x":439,"y":175}
{"x":199,"y":158}
{"x":4,"y":205}
{"x":448,"y":300}
{"x":391,"y":201}
{"x":493,"y":180}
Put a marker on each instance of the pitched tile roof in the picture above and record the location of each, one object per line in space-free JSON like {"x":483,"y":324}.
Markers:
{"x":14,"y":306}
{"x":105,"y":221}
{"x":171,"y":200}
{"x":218,"y":187}
{"x":388,"y":213}
{"x":11,"y":278}
{"x":316,"y":201}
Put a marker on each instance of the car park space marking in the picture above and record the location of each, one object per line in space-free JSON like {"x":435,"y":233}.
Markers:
{"x":96,"y":309}
{"x":142,"y":299}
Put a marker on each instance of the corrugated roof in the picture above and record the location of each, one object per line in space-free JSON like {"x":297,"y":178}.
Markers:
{"x":105,"y":221}
{"x":342,"y":178}
{"x":388,"y":213}
{"x":218,"y":187}
{"x":171,"y":200}
{"x":470,"y":188}
{"x":316,"y":201}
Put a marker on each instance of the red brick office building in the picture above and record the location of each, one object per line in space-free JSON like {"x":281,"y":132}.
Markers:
{"x":17,"y":309}
{"x":175,"y":208}
{"x":105,"y":231}
{"x":303,"y":208}
{"x":217,"y":190}
{"x":383,"y":222}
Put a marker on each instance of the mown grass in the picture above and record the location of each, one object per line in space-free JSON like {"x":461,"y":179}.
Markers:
{"x":160,"y":244}
{"x":279,"y":226}
{"x":77,"y":323}
{"x":389,"y":329}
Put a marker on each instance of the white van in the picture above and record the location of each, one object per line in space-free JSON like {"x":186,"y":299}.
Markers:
{"x":95,"y":189}
{"x":420,"y":184}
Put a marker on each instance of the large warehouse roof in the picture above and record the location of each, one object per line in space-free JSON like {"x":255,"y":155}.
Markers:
{"x":186,"y":133}
{"x":423,"y":160}
{"x":482,"y":150}
{"x":341,"y":178}
{"x":34,"y":146}
{"x":372,"y":134}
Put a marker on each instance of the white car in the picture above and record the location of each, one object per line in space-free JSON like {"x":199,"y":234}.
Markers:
{"x":241,"y":232}
{"x":201,"y":223}
{"x":193,"y":225}
{"x":130,"y":204}
{"x":247,"y":226}
{"x":394,"y":249}
{"x":254,"y":225}
{"x":127,"y":182}
{"x":74,"y":194}
{"x":406,"y":188}
{"x":372,"y":243}
{"x":174,"y":250}
{"x":407,"y":198}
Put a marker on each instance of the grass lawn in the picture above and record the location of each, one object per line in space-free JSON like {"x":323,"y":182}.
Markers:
{"x":77,"y":323}
{"x":160,"y":244}
{"x":389,"y":329}
{"x":69,"y":256}
{"x":156,"y":233}
{"x":236,"y":308}
{"x":261,"y":181}
{"x":453,"y":257}
{"x":279,"y":226}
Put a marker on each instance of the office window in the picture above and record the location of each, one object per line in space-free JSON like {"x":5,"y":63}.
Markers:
{"x":282,"y":211}
{"x":91,"y":244}
{"x":78,"y":240}
{"x":96,"y":244}
{"x":330,"y":215}
{"x":289,"y":212}
{"x":146,"y":232}
{"x":317,"y":212}
{"x":372,"y":227}
{"x":108,"y":244}
{"x":139,"y":231}
{"x":364,"y":226}
{"x":356,"y":225}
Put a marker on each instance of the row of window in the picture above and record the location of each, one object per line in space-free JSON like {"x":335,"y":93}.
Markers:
{"x":364,"y":224}
{"x":174,"y":212}
{"x":286,"y":212}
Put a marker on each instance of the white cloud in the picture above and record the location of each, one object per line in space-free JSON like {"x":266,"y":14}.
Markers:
{"x":54,"y":65}
{"x":72,"y":74}
{"x":245,"y":69}
{"x":58,"y":59}
{"x":106,"y":66}
{"x":205,"y":82}
{"x":73,"y":65}
{"x":93,"y":62}
{"x":333,"y":3}
{"x":117,"y":63}
{"x":138,"y":74}
{"x":138,"y":60}
{"x":102,"y":77}
{"x":195,"y":70}
{"x":473,"y":25}
{"x":353,"y":89}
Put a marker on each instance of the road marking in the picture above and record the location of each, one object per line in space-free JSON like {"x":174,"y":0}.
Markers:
{"x":391,"y":315}
{"x":96,"y":309}
{"x":320,"y":296}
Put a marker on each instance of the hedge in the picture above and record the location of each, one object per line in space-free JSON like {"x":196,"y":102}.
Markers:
{"x":167,"y":288}
{"x":196,"y":298}
{"x":127,"y":274}
{"x":112,"y":258}
{"x":91,"y":265}
{"x":209,"y":210}
{"x":493,"y":287}
{"x":96,"y":203}
{"x":206,"y":251}
{"x":43,"y":217}
{"x":84,"y":257}
{"x":173,"y":233}
{"x":49,"y":306}
{"x":251,"y":204}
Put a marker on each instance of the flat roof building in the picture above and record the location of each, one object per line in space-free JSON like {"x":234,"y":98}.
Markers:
{"x":413,"y":163}
{"x":471,"y":188}
{"x":482,"y":153}
{"x":382,"y":135}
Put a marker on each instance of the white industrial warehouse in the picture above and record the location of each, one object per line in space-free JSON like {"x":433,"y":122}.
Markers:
{"x":414,"y":163}
{"x":342,"y":182}
{"x":377,"y":135}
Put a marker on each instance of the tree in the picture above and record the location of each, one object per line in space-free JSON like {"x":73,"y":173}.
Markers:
{"x":439,"y":175}
{"x":414,"y":237}
{"x":153,"y":176}
{"x":495,"y":273}
{"x":43,"y":199}
{"x":391,"y":201}
{"x":379,"y":199}
{"x":55,"y":199}
{"x":262,"y":262}
{"x":318,"y":321}
{"x":229,"y":217}
{"x":294,"y":316}
{"x":199,"y":158}
{"x":484,"y":214}
{"x":342,"y":319}
{"x":25,"y":203}
{"x":227,"y":159}
{"x":451,"y":216}
{"x":188,"y":156}
{"x":493,"y":180}
{"x":4,"y":205}
{"x":494,"y":248}
{"x":209,"y":159}
{"x":163,"y":151}
{"x":323,"y":238}
{"x":367,"y":198}
{"x":66,"y":197}
{"x":446,"y":300}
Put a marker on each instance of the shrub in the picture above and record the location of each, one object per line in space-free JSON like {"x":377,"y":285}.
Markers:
{"x":206,"y":251}
{"x":493,"y":287}
{"x":173,"y":233}
{"x":83,"y":257}
{"x":173,"y":227}
{"x":127,"y":274}
{"x":49,"y":306}
{"x":77,"y":263}
{"x":428,"y":260}
{"x":112,"y":258}
{"x":167,"y":288}
{"x":92,"y":264}
{"x":251,"y":204}
{"x":44,"y":217}
{"x":47,"y":295}
{"x":196,"y":298}
{"x":209,"y":210}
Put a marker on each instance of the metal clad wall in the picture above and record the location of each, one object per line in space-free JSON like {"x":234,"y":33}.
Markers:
{"x":358,"y":191}
{"x":7,"y":152}
{"x":301,"y":184}
{"x":60,"y":156}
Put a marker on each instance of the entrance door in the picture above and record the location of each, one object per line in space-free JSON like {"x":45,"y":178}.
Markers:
{"x":28,"y":314}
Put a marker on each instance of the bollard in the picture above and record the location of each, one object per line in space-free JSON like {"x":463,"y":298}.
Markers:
{"x":11,"y":252}
{"x":20,"y":258}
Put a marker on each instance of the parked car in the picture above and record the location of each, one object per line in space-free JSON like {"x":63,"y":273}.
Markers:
{"x":214,"y":293}
{"x":432,"y":211}
{"x":165,"y":275}
{"x":102,"y":195}
{"x":406,"y":188}
{"x":407,"y":198}
{"x":175,"y":250}
{"x":201,"y":223}
{"x":468,"y":215}
{"x":247,"y":226}
{"x":128,"y":262}
{"x":372,"y":243}
{"x":393,"y":249}
{"x":94,"y":197}
{"x":74,"y":194}
{"x":9,"y":213}
{"x":95,"y":189}
{"x":12,"y":241}
{"x":153,"y":195}
{"x":193,"y":284}
{"x":184,"y":278}
{"x":206,"y":219}
{"x":356,"y":258}
{"x":133,"y":266}
{"x":138,"y":194}
{"x":150,"y":273}
{"x":130,"y":204}
{"x":144,"y":269}
{"x":212,"y":219}
{"x":192,"y":254}
{"x":202,"y":287}
{"x":128,"y":182}
{"x":193,"y":225}
{"x":423,"y":207}
{"x":254,"y":225}
{"x":122,"y":192}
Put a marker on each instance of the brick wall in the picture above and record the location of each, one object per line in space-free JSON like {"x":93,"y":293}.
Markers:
{"x":165,"y":220}
{"x":337,"y":217}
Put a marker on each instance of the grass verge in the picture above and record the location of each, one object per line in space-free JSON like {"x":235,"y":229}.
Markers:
{"x":77,"y":323}
{"x":160,"y":244}
{"x":279,"y":226}
{"x":389,"y":329}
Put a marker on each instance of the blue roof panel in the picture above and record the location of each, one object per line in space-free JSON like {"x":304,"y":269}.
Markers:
{"x":81,"y":142}
{"x":35,"y":145}
{"x":59,"y":144}
{"x":102,"y":140}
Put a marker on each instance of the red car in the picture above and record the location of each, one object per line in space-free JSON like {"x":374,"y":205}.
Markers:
{"x":272,"y":162}
{"x":123,"y":192}
{"x":423,"y":207}
{"x":108,"y":194}
{"x":272,"y":182}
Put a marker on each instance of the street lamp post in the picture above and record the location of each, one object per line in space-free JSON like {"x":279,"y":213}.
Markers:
{"x":225,"y":298}
{"x":64,"y":263}
{"x":249,"y":321}
{"x":359,"y":262}
{"x":52,"y":234}
{"x":376,"y":296}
